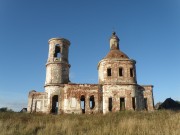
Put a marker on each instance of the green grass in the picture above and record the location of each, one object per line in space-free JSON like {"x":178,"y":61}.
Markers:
{"x":121,"y":123}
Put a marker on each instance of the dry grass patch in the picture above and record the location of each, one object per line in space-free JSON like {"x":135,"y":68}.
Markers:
{"x":125,"y":123}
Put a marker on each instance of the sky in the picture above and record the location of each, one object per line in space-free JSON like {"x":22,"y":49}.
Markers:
{"x":149,"y":32}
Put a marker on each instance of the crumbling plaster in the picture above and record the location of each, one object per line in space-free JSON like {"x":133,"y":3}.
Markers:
{"x":117,"y":87}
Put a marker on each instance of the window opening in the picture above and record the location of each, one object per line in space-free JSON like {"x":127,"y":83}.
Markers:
{"x":83,"y":103}
{"x":109,"y":72}
{"x":57,"y":53}
{"x":55,"y":104}
{"x":110,"y":104}
{"x":145,"y":104}
{"x":120,"y":71}
{"x":122,"y":104}
{"x":91,"y":102}
{"x":131,"y":72}
{"x":133,"y":103}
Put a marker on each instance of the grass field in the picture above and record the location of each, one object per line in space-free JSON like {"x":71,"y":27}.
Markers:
{"x":121,"y":123}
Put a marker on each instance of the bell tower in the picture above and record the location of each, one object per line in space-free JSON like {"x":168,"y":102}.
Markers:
{"x":57,"y":67}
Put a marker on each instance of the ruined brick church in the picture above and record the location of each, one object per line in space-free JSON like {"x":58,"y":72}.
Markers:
{"x":116,"y":90}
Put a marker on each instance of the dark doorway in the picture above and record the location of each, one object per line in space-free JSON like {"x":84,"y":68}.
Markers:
{"x":110,"y":104}
{"x":83,"y":103}
{"x":55,"y":104}
{"x":133,"y":103}
{"x":91,"y":102}
{"x":145,"y":103}
{"x":122,"y":104}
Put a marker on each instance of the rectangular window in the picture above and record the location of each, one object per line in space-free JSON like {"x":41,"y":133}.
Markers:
{"x":120,"y":71}
{"x":145,"y":103}
{"x":131,"y":72}
{"x":109,"y":72}
{"x":122,"y":104}
{"x":133,"y":103}
{"x":110,"y":104}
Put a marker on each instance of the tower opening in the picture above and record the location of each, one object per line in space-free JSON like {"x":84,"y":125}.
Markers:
{"x":83,"y":103}
{"x":57,"y":53}
{"x":110,"y":104}
{"x":91,"y":102}
{"x":122,"y":104}
{"x":54,"y":104}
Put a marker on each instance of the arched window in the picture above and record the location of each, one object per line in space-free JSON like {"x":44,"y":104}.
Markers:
{"x":83,"y":103}
{"x":91,"y":102}
{"x":57,"y":53}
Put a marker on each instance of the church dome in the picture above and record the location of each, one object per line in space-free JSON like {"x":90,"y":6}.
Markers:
{"x":116,"y":54}
{"x":115,"y":51}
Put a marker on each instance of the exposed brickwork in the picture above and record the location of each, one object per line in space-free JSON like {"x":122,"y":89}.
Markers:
{"x":114,"y":65}
{"x":75,"y":92}
{"x":117,"y":89}
{"x":37,"y":101}
{"x":148,"y":94}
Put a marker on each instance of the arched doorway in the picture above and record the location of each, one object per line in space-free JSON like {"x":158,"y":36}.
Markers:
{"x":83,"y":103}
{"x":54,"y":104}
{"x":91,"y":102}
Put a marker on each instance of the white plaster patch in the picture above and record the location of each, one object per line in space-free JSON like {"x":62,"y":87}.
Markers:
{"x":73,"y":102}
{"x":38,"y":105}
